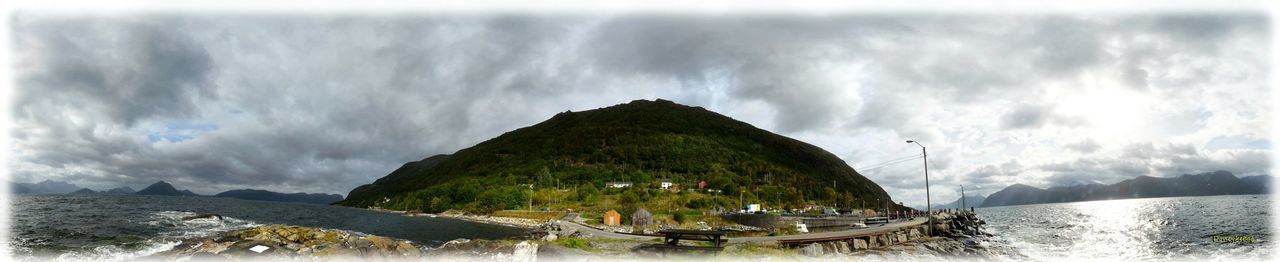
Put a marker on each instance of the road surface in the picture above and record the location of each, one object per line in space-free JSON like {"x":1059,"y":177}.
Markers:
{"x":852,"y":232}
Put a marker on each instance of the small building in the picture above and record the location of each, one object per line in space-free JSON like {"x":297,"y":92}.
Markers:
{"x":750,"y":208}
{"x":641,"y":217}
{"x":612,"y":218}
{"x":702,"y":185}
{"x":665,"y":183}
{"x":617,"y":184}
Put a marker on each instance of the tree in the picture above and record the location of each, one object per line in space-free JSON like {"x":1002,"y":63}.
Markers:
{"x":588,"y":193}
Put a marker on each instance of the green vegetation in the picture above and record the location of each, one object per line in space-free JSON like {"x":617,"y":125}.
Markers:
{"x":566,"y":161}
{"x":575,"y":243}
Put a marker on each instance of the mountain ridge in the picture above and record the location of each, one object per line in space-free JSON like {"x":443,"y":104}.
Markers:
{"x":264,"y":195}
{"x":1203,"y":184}
{"x":637,"y":141}
{"x":162,"y":188}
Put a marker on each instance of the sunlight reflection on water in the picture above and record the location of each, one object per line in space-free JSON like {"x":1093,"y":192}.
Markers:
{"x":1136,"y":229}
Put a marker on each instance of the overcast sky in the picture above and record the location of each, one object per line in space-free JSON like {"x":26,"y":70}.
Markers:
{"x":324,"y":103}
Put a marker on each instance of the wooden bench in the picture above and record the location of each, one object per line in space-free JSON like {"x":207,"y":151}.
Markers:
{"x":671,"y":240}
{"x":672,"y":237}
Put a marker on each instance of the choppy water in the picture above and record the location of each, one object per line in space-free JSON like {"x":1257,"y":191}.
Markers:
{"x":118,"y":227}
{"x":1181,"y":228}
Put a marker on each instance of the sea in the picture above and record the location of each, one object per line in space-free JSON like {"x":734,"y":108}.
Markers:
{"x":102,"y":227}
{"x":1215,"y":228}
{"x":126,"y":227}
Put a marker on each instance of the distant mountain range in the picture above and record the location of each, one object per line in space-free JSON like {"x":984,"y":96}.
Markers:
{"x":1205,"y":184}
{"x":44,"y":187}
{"x":164,"y":189}
{"x":969,"y":201}
{"x":254,"y":194}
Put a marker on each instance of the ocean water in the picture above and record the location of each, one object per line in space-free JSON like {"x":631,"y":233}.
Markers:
{"x":128,"y":227}
{"x":119,"y":227}
{"x":1179,"y":229}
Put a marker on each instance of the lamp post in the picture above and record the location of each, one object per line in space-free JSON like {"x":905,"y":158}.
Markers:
{"x":927,"y":202}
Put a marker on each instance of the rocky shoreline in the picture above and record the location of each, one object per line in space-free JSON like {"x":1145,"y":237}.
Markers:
{"x":524,"y":223}
{"x":273,"y":242}
{"x":959,"y":237}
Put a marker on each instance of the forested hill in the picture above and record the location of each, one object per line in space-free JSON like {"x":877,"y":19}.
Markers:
{"x":637,"y":142}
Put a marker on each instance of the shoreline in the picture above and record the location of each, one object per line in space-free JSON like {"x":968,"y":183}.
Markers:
{"x":522,"y":223}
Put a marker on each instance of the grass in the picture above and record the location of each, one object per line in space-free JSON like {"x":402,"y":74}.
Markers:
{"x":575,"y":243}
{"x":539,"y":215}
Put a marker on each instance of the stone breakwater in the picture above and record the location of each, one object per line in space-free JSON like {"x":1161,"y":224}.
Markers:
{"x":280,"y":242}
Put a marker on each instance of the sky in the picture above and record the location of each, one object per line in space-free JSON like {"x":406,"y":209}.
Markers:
{"x":326,"y":102}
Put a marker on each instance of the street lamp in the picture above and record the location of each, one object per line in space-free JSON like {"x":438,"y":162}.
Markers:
{"x":927,"y":202}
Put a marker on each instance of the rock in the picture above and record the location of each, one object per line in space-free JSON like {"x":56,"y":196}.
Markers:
{"x":206,"y":256}
{"x":361,"y":242}
{"x":859,"y":244}
{"x":549,"y":237}
{"x":566,"y":233}
{"x":842,"y":247}
{"x":525,"y":251}
{"x":812,"y":250}
{"x":291,"y":242}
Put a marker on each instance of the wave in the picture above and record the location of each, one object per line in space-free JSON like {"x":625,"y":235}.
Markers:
{"x":178,"y":228}
{"x":172,"y":230}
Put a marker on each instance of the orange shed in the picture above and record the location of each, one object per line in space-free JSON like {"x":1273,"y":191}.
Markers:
{"x":612,"y":218}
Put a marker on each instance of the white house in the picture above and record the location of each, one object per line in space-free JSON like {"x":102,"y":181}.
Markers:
{"x":617,"y":184}
{"x":665,"y":183}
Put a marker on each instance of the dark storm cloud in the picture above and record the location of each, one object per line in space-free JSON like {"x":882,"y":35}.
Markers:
{"x":130,"y":72}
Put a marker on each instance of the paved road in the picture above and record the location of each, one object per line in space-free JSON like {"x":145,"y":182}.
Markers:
{"x":886,"y":227}
{"x":883,"y":228}
{"x":601,"y":233}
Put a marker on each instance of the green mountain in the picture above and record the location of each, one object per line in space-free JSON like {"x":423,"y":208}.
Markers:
{"x":637,"y":142}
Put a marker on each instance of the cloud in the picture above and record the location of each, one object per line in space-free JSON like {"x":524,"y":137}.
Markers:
{"x":323,"y":103}
{"x":126,"y":73}
{"x":1084,"y":146}
{"x":1026,"y":116}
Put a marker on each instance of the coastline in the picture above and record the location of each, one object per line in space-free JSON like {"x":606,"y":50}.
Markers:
{"x":523,"y":223}
{"x":296,"y":242}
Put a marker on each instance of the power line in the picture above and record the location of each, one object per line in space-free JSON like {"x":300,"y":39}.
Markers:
{"x":887,"y":164}
{"x":892,"y":160}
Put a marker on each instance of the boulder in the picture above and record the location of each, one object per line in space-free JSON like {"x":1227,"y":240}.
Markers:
{"x":812,"y":250}
{"x":842,"y":247}
{"x":859,"y":244}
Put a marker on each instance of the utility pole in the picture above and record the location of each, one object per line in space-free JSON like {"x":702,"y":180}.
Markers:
{"x":927,"y":201}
